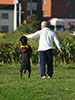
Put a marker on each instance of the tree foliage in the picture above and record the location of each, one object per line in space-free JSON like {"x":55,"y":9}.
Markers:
{"x":32,"y":25}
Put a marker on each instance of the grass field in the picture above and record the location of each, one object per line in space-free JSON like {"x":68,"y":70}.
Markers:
{"x":60,"y":87}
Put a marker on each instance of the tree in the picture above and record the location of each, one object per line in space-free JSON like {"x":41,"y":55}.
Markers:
{"x":33,"y":22}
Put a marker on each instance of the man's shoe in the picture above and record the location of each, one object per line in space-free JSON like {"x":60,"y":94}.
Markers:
{"x":43,"y":77}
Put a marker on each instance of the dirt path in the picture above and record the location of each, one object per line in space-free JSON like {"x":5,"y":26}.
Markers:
{"x":7,"y":68}
{"x":35,"y":69}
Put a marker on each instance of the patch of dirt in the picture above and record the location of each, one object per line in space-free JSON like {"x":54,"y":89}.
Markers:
{"x":35,"y":69}
{"x":6,"y":68}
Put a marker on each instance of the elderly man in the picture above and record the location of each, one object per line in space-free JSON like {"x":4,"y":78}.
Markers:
{"x":45,"y":50}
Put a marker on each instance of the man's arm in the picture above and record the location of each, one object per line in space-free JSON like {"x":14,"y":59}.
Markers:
{"x":34,"y":35}
{"x":57,"y":42}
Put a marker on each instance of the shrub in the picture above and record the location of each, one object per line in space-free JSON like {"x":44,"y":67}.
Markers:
{"x":10,"y":53}
{"x":32,"y":25}
{"x":68,"y":47}
{"x":24,"y":28}
{"x":33,"y":22}
{"x":34,"y":57}
{"x":2,"y":35}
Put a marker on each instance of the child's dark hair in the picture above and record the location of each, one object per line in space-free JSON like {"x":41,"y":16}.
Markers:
{"x":23,"y":40}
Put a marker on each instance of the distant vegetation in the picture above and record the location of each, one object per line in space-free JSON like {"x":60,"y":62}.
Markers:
{"x":10,"y":48}
{"x":10,"y":45}
{"x":32,"y":25}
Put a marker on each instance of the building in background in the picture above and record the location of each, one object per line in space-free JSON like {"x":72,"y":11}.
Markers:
{"x":30,"y":7}
{"x":15,"y":12}
{"x":8,"y":15}
{"x":58,"y":9}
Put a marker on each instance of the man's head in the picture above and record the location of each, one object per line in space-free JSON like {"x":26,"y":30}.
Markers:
{"x":23,"y":40}
{"x":44,"y":24}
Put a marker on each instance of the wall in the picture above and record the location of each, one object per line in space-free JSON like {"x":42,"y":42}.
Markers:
{"x":60,"y":8}
{"x":9,"y":21}
{"x":47,"y":8}
{"x":6,"y":2}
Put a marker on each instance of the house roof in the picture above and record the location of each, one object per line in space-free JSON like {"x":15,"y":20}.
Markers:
{"x":8,"y":2}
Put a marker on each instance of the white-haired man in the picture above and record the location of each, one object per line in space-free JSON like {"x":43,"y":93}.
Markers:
{"x":45,"y":50}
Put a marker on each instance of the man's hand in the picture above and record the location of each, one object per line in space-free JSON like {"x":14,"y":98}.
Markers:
{"x":24,"y":35}
{"x":60,"y":50}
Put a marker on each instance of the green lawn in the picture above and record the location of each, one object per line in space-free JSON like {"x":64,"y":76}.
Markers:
{"x":60,"y":87}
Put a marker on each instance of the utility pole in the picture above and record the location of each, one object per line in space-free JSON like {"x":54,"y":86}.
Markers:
{"x":15,"y":16}
{"x":30,"y":7}
{"x":19,"y":14}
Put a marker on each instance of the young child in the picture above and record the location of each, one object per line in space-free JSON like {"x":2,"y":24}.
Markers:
{"x":26,"y":54}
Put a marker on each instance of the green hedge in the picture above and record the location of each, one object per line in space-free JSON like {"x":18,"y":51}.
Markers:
{"x":10,"y":53}
{"x":68,"y":47}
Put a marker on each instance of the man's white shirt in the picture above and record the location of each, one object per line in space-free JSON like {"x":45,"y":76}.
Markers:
{"x":46,"y":37}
